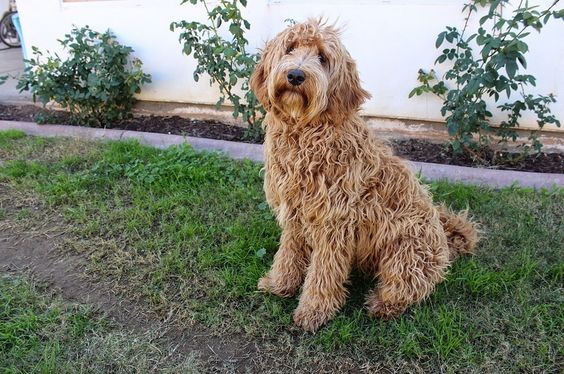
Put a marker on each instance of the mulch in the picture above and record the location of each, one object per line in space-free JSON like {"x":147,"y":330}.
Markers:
{"x":412,"y":149}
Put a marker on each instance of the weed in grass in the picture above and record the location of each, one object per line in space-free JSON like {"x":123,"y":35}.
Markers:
{"x":23,"y":213}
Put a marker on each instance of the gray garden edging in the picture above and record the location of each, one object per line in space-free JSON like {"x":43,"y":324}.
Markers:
{"x":237,"y":150}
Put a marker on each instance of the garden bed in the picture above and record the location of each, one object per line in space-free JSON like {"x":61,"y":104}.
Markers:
{"x":411,"y":149}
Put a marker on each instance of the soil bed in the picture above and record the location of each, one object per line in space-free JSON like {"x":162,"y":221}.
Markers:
{"x":411,"y":149}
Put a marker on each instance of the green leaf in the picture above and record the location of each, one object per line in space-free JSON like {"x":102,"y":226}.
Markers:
{"x":229,"y":52}
{"x":235,"y":29}
{"x":484,"y":19}
{"x":260,"y":253}
{"x":522,"y":60}
{"x":441,"y":59}
{"x":511,"y":68}
{"x":440,"y":39}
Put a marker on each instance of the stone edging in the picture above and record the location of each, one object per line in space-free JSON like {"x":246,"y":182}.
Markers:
{"x":237,"y":150}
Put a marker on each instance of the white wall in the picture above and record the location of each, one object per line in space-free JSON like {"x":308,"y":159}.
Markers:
{"x":390,"y":39}
{"x":3,"y":6}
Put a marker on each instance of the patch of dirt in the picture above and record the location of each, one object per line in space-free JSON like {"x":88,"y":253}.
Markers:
{"x":19,"y":113}
{"x":423,"y":151}
{"x":411,"y":149}
{"x":184,"y":126}
{"x":33,"y":249}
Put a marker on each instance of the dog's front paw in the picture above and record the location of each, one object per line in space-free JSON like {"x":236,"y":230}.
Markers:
{"x":266,"y":284}
{"x":310,"y":319}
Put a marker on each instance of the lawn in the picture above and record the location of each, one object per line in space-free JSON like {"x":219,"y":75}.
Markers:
{"x":40,"y":333}
{"x":188,"y":234}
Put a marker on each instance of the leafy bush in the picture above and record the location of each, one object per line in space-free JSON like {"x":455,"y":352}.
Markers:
{"x":96,"y":83}
{"x":225,"y":61}
{"x":3,"y":79}
{"x":495,"y":71}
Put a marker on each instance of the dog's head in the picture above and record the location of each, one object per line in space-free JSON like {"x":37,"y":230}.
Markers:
{"x":306,"y":72}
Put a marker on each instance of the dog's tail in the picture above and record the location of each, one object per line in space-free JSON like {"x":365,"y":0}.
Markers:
{"x":462,"y":233}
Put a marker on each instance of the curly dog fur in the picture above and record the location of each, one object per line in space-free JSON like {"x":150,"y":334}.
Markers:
{"x":340,"y":196}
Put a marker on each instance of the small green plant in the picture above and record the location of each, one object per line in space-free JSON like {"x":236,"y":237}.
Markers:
{"x":227,"y":62}
{"x":96,"y":83}
{"x":495,"y":71}
{"x":3,"y":79}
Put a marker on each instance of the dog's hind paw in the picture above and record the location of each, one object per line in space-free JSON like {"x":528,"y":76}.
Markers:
{"x":383,"y":310}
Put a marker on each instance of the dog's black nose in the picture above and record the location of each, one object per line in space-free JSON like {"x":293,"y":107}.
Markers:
{"x":296,"y":77}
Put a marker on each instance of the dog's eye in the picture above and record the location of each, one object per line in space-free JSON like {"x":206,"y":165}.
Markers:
{"x":322,"y":58}
{"x":289,"y":50}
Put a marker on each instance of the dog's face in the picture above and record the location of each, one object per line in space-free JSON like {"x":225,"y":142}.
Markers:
{"x":306,"y":72}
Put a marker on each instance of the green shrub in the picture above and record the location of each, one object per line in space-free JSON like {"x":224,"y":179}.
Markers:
{"x":495,"y":71}
{"x":226,"y":62}
{"x":96,"y":83}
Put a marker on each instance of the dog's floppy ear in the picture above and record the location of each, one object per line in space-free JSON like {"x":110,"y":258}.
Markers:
{"x":258,"y":78}
{"x":347,"y":94}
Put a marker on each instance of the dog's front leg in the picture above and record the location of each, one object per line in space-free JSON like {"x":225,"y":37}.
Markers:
{"x":290,"y":262}
{"x":324,"y":291}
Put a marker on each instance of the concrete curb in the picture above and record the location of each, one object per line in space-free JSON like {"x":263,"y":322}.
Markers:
{"x":237,"y":150}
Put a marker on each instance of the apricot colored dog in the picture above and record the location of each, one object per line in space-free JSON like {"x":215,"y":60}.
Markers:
{"x":340,"y":196}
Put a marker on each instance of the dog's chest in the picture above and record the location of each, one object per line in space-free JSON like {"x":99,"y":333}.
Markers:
{"x":297,"y":174}
{"x":301,"y":172}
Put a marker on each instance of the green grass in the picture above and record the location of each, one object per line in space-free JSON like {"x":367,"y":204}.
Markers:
{"x":39,"y":333}
{"x":190,"y":232}
{"x":6,"y":136}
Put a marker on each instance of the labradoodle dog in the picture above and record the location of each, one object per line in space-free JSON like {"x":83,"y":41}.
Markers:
{"x":342,"y":199}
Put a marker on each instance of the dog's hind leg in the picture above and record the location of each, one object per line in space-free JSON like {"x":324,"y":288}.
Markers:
{"x":290,"y":262}
{"x":408,"y":273}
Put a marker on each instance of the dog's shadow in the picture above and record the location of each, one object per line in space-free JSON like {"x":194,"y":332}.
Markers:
{"x":358,"y":287}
